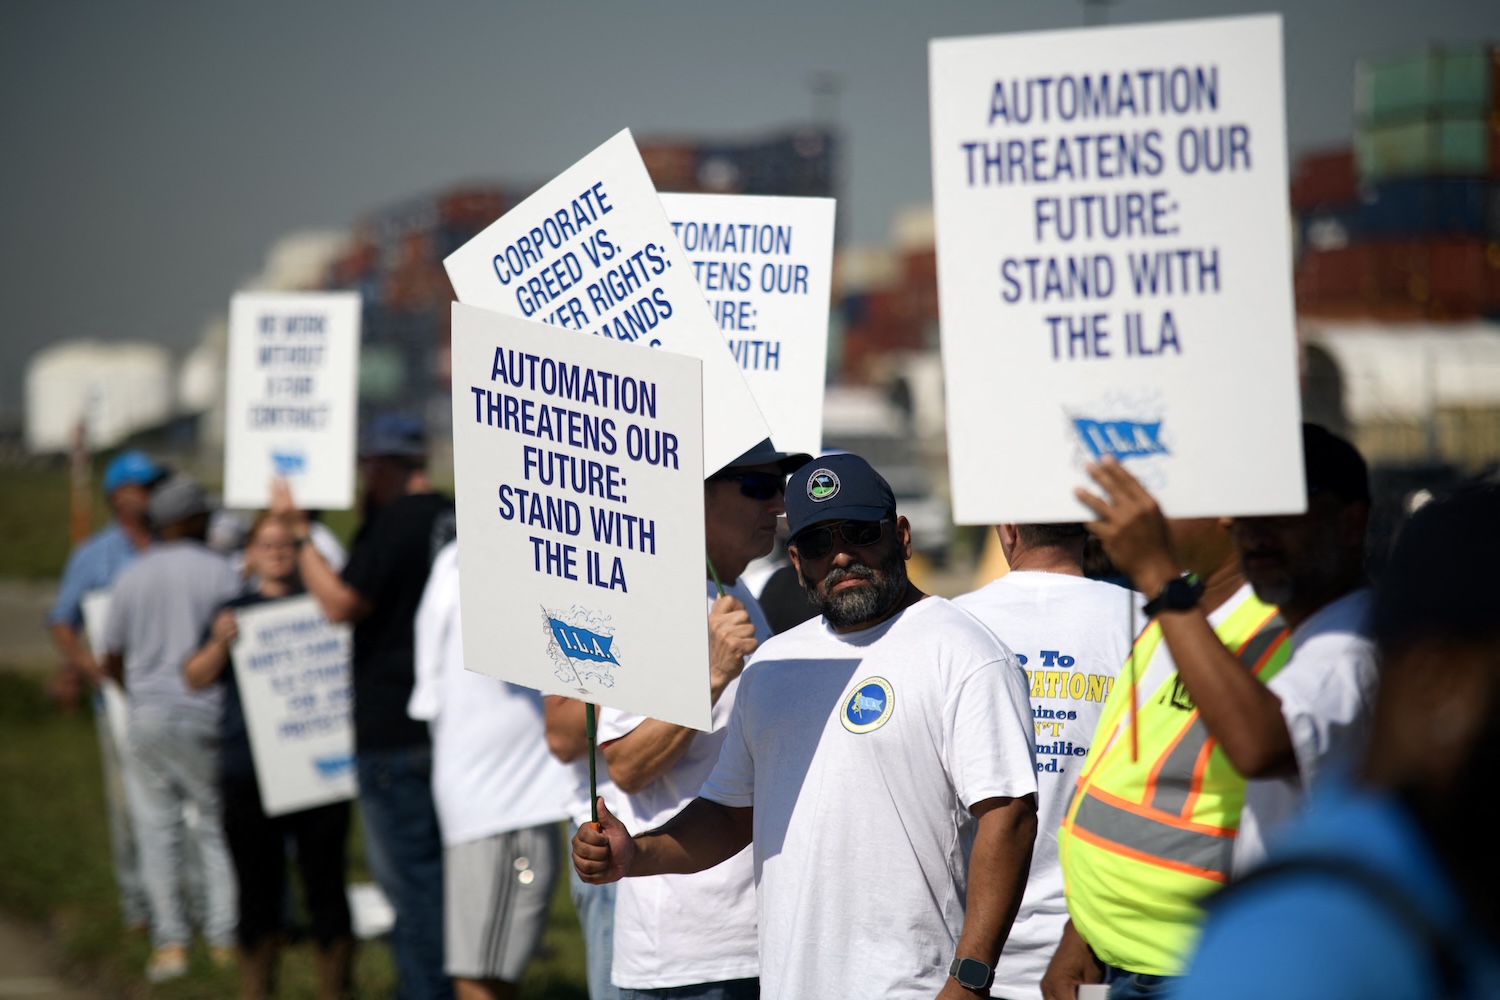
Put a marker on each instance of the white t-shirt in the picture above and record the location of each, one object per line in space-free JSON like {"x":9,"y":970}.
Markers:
{"x":1327,"y":692}
{"x":681,"y":930}
{"x":861,"y":755}
{"x":491,"y":769}
{"x":1071,"y":635}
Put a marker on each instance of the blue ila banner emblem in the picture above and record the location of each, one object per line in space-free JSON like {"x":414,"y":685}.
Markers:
{"x":1121,"y":438}
{"x":582,"y":647}
{"x":580,"y":644}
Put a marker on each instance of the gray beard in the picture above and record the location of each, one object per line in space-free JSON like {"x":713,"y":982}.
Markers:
{"x":858,"y":605}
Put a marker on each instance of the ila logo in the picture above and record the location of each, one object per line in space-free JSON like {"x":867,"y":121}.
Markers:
{"x":582,"y":647}
{"x":288,"y":461}
{"x":869,"y":705}
{"x":822,"y":485}
{"x":1121,"y":438}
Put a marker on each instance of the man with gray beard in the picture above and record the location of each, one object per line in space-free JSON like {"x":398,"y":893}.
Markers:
{"x":879,"y":761}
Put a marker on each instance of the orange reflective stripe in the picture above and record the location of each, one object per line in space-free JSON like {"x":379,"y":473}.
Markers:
{"x":1255,"y":652}
{"x":1200,"y":771}
{"x":1129,"y":833}
{"x":1155,"y":796}
{"x":1166,"y":819}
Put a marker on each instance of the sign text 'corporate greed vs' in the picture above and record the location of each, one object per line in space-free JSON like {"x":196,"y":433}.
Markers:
{"x":1113,"y":267}
{"x":577,"y":462}
{"x":593,"y":251}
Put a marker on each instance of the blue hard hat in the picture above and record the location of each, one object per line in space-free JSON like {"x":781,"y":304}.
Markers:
{"x":131,"y":468}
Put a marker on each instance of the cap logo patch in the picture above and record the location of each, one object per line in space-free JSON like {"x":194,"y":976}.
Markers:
{"x":822,"y":485}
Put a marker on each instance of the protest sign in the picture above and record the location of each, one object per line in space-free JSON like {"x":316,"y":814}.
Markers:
{"x":292,"y":668}
{"x":290,"y":404}
{"x":593,"y":251}
{"x":766,"y":267}
{"x":577,"y":464}
{"x":1113,"y":267}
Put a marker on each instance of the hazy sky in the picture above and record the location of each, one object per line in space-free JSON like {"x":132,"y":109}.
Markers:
{"x":151,"y":152}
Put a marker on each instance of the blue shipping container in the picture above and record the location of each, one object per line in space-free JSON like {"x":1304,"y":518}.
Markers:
{"x":1425,"y":207}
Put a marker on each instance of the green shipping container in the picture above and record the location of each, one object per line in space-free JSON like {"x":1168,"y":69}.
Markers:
{"x":1437,"y":81}
{"x":1436,"y":147}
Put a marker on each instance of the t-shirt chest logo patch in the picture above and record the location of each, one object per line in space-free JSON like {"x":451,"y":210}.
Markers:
{"x":869,"y":705}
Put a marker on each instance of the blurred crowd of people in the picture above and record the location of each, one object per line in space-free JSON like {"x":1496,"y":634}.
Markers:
{"x":1249,"y":772}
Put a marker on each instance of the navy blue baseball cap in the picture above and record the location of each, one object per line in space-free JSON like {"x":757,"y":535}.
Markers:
{"x":131,"y":468}
{"x":837,"y":488}
{"x":395,"y":435}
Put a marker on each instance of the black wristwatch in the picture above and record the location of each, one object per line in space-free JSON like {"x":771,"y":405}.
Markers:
{"x":971,"y":973}
{"x":1178,"y":595}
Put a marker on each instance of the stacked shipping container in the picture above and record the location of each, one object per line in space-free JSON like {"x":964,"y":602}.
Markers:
{"x":395,"y":261}
{"x":1407,"y":224}
{"x":395,"y":257}
{"x":799,"y":163}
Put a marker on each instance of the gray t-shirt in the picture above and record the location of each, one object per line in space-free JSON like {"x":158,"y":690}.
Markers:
{"x":159,"y":607}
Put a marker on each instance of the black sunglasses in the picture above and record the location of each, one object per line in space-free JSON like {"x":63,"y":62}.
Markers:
{"x":756,"y":485}
{"x":815,"y":543}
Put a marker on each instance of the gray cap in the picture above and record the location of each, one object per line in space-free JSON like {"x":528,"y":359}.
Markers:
{"x":176,"y":498}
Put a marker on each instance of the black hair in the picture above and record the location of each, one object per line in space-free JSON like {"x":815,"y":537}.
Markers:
{"x":1441,"y":583}
{"x":1048,"y":535}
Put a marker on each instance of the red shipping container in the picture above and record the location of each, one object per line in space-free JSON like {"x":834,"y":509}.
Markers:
{"x":1448,"y":278}
{"x":471,"y":208}
{"x":1326,"y":178}
{"x":673,"y":166}
{"x":1342,"y":273}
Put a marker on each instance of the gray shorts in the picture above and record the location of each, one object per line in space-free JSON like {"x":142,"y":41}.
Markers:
{"x":497,"y":894}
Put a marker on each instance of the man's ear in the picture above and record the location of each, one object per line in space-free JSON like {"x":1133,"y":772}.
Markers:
{"x":903,"y":535}
{"x":1008,"y":534}
{"x":791,"y":551}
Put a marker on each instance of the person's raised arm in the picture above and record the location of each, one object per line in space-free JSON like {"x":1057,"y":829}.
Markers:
{"x":1237,"y":709}
{"x":339,"y":601}
{"x":205,"y":665}
{"x":998,"y":865}
{"x":649,"y":750}
{"x":702,"y":835}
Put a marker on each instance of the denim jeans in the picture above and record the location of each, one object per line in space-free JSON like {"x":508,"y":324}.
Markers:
{"x":1125,"y":985}
{"x":176,"y":762}
{"x":405,"y":852}
{"x":596,"y":915}
{"x":729,"y":989}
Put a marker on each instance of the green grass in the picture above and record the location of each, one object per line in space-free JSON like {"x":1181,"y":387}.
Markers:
{"x":55,"y":870}
{"x":34,"y":505}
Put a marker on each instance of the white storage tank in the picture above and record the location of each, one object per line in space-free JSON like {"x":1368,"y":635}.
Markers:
{"x":116,"y":389}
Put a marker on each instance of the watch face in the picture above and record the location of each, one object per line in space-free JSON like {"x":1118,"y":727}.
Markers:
{"x":971,"y":973}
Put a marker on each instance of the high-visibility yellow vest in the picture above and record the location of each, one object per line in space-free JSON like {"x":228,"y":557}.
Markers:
{"x":1144,"y":840}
